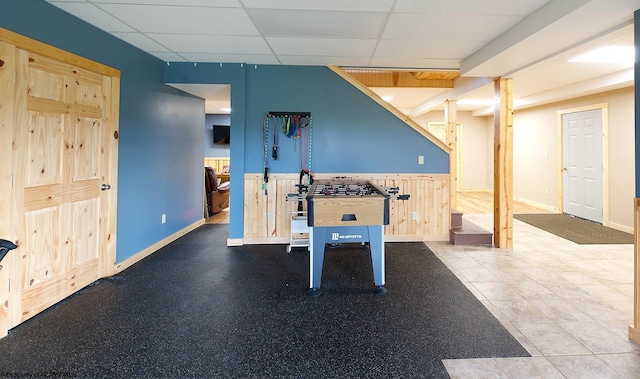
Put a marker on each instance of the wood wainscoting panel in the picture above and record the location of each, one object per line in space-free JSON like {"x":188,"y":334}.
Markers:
{"x":424,"y":217}
{"x":217,"y":163}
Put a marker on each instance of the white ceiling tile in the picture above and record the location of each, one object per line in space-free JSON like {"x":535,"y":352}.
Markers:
{"x":167,"y":56}
{"x":328,"y":5}
{"x":193,"y":3}
{"x":140,"y":41}
{"x":95,"y":16}
{"x":473,"y":7}
{"x":185,"y":43}
{"x":317,"y":23}
{"x":231,"y":58}
{"x":423,"y":63}
{"x":427,"y":34}
{"x":322,"y":46}
{"x":469,"y":27}
{"x":311,"y":60}
{"x":183,"y":20}
{"x":433,"y":48}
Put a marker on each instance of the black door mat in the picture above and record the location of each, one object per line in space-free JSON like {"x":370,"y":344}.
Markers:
{"x":580,"y":231}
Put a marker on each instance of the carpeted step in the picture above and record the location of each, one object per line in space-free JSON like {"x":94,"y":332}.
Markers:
{"x":456,"y":219}
{"x":470,"y":234}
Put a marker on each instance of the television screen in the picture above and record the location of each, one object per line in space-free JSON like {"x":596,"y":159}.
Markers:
{"x":221,"y":134}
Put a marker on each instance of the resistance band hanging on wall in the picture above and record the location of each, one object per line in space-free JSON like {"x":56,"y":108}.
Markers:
{"x":295,"y":125}
{"x":265,"y":139}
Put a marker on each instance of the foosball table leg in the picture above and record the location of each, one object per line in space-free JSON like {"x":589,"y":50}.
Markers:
{"x":316,"y":258}
{"x":376,"y":246}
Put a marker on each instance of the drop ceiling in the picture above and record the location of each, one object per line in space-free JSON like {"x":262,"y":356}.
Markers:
{"x":527,"y":40}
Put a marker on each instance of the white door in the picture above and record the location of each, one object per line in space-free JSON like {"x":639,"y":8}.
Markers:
{"x":582,"y":164}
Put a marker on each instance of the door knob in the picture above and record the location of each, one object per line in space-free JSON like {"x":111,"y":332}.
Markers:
{"x":105,"y":187}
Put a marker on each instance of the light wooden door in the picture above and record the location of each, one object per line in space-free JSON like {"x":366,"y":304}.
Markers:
{"x":63,"y":174}
{"x":582,"y":164}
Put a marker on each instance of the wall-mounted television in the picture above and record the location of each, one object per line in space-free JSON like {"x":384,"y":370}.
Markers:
{"x":221,"y":134}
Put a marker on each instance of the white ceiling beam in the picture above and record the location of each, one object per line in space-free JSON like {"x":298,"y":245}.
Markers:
{"x":497,"y":57}
{"x":604,"y":83}
{"x":462,"y":86}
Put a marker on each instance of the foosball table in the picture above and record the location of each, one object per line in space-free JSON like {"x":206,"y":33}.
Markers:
{"x":346,"y":211}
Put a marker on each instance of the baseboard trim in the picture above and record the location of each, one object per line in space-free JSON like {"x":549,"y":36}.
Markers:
{"x":634,"y":334}
{"x":619,"y":227}
{"x":430,"y":238}
{"x":156,"y":246}
{"x":286,"y":240}
{"x":537,"y":205}
{"x":235,"y":242}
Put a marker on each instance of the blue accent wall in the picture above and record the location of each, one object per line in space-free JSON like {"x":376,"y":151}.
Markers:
{"x":160,"y":144}
{"x":161,"y":151}
{"x":351,"y":132}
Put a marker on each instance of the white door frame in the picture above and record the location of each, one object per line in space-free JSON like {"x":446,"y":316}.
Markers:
{"x":604,"y":107}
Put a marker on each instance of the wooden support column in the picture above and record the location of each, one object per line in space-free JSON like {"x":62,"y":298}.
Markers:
{"x":451,"y":119}
{"x":634,"y":330}
{"x":503,"y":164}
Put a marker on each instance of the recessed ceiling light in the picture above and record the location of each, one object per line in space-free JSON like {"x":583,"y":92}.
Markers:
{"x":608,"y":54}
{"x":387,"y":98}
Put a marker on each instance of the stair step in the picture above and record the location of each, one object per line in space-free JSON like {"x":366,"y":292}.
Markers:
{"x":470,"y":234}
{"x":456,"y":219}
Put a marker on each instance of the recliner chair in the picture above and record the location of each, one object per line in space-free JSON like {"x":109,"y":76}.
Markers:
{"x":217,"y":194}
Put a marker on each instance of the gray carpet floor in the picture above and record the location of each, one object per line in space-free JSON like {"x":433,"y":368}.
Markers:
{"x":580,"y":231}
{"x":199,"y":309}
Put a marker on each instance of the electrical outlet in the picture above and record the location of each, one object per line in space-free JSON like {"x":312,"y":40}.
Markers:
{"x":164,"y":218}
{"x":414,"y":215}
{"x":420,"y":159}
{"x":271,"y":216}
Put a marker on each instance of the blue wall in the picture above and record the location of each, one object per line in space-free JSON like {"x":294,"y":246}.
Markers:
{"x":160,"y":145}
{"x":161,"y":150}
{"x":213,"y":149}
{"x":351,"y":132}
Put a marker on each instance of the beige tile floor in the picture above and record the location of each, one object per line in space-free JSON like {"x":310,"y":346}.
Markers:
{"x":569,"y":305}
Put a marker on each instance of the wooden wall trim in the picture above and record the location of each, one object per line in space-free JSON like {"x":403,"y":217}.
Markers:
{"x":32,"y":45}
{"x":325,"y":176}
{"x":285,"y":240}
{"x":7,"y":69}
{"x":108,"y":263}
{"x":634,"y":330}
{"x":155,"y":247}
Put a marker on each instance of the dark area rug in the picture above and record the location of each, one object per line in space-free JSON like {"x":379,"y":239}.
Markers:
{"x":580,"y":231}
{"x":198,"y":309}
